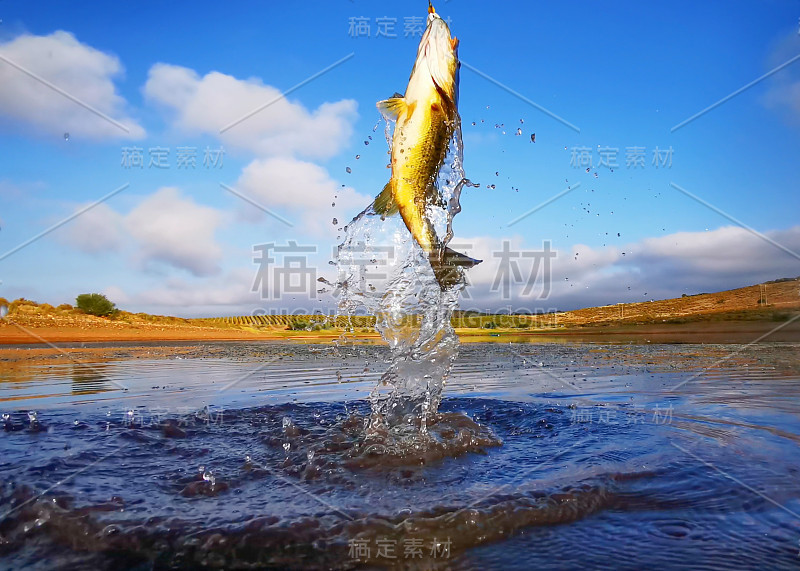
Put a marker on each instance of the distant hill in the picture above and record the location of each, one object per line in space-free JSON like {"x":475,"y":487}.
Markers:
{"x":776,"y":300}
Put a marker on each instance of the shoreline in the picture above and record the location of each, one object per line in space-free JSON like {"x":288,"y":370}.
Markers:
{"x":714,"y":332}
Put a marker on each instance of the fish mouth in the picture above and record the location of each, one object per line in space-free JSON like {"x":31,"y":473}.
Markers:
{"x":437,"y":41}
{"x":438,"y":33}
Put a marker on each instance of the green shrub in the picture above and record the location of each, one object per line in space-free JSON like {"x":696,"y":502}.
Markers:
{"x":299,"y":325}
{"x":95,"y":304}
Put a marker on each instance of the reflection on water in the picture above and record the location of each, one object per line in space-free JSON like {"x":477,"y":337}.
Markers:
{"x":88,"y":381}
{"x":254,"y":456}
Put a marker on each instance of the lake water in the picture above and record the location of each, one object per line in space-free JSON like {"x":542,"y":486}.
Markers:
{"x":253,"y":455}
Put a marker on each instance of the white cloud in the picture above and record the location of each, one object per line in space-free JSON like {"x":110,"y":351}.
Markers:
{"x":117,"y":295}
{"x":210,"y":103}
{"x":232,"y":288}
{"x":100,"y":229}
{"x":654,"y":268}
{"x":225,"y":294}
{"x":301,"y":187}
{"x":784,"y":87}
{"x":164,"y":229}
{"x":660,"y":267}
{"x":77,"y":69}
{"x":785,"y":94}
{"x":177,"y":231}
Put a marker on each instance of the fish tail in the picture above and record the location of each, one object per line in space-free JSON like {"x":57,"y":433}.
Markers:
{"x":445,"y":264}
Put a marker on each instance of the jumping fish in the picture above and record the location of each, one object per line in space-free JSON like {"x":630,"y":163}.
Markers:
{"x":425,"y":118}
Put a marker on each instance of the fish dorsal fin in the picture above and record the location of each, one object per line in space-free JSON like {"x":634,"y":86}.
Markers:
{"x":392,"y":108}
{"x":385,"y":204}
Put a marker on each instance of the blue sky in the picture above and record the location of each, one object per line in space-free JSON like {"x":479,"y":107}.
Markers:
{"x":175,"y":241}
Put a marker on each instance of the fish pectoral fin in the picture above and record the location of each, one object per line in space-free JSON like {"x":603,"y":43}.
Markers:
{"x":385,"y":204}
{"x":392,"y":108}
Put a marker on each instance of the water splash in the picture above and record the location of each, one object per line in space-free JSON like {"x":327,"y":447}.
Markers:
{"x":382,"y":271}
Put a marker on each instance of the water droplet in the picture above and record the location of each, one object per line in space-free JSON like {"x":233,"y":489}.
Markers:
{"x":519,"y":131}
{"x":286,"y":447}
{"x":366,"y":142}
{"x":349,"y":170}
{"x":247,"y":458}
{"x":310,"y":455}
{"x":473,"y":123}
{"x":208,"y":476}
{"x":66,"y":137}
{"x":286,"y":421}
{"x":496,"y":173}
{"x":358,"y":157}
{"x":335,"y":221}
{"x":32,"y":415}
